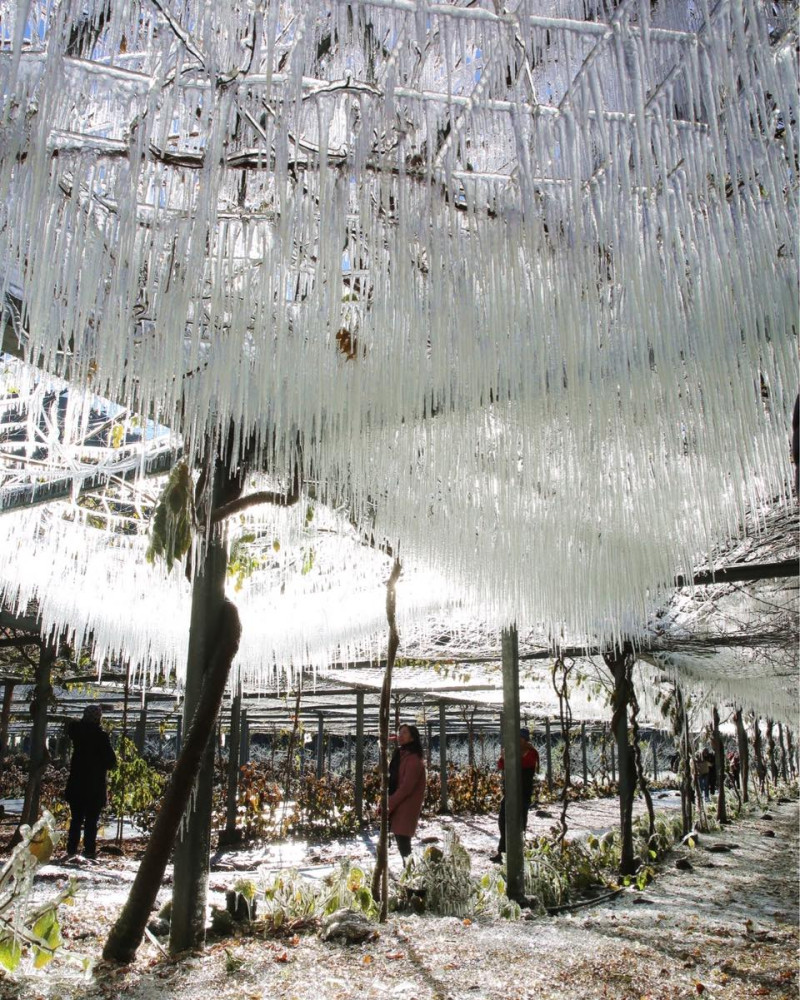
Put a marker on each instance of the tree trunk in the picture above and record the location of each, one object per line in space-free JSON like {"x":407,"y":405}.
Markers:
{"x":758,"y":754}
{"x":193,"y":849}
{"x":719,"y":762}
{"x":744,"y":756}
{"x":790,"y":753}
{"x":380,"y":877}
{"x":641,"y":777}
{"x":617,"y":662}
{"x":38,"y":756}
{"x":782,"y":746}
{"x":127,"y":932}
{"x":561,"y":686}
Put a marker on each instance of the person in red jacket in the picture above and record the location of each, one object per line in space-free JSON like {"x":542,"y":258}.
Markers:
{"x":530,"y":767}
{"x":406,"y":788}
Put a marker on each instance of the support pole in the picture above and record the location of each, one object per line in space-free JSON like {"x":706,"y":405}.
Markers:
{"x":513,"y":765}
{"x":655,"y":757}
{"x":359,"y":782}
{"x":443,"y":803}
{"x":584,"y":756}
{"x":320,"y":745}
{"x":244,"y":739}
{"x":5,"y":715}
{"x":141,"y":727}
{"x":548,"y":750}
{"x":234,"y":747}
{"x":38,"y":755}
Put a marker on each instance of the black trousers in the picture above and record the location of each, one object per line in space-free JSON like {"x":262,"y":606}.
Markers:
{"x":403,"y":845}
{"x":86,"y":817}
{"x":501,"y":822}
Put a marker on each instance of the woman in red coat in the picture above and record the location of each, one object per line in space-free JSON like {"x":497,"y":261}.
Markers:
{"x":406,"y":788}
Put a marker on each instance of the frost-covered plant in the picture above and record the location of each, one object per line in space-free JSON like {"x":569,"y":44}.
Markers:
{"x":490,"y":898}
{"x":546,"y":877}
{"x":443,"y":878}
{"x":348,"y":888}
{"x":30,"y":932}
{"x":290,"y":897}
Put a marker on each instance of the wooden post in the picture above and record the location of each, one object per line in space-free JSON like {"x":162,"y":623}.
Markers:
{"x":429,"y":727}
{"x":141,"y":727}
{"x":584,"y":756}
{"x":443,"y":802}
{"x":320,"y":745}
{"x":5,"y":715}
{"x":234,"y":748}
{"x":359,"y":782}
{"x":548,"y":755}
{"x":513,"y":765}
{"x":613,"y":762}
{"x":38,"y":743}
{"x":244,"y":739}
{"x":655,"y":757}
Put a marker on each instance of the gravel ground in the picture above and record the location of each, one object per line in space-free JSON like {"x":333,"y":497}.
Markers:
{"x":726,"y":929}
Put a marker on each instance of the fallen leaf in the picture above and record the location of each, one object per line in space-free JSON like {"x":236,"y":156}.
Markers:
{"x":699,"y":987}
{"x":395,"y":954}
{"x":367,"y":959}
{"x":466,"y":922}
{"x":282,"y":956}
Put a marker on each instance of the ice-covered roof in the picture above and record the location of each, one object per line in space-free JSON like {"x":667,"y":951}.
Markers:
{"x":521,"y":281}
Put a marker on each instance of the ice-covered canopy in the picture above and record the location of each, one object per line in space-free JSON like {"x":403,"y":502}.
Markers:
{"x":520,"y":278}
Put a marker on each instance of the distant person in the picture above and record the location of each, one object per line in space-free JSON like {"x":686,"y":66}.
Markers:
{"x":703,"y":768}
{"x":530,"y":768}
{"x":711,"y":757}
{"x":407,"y":783}
{"x":92,"y":759}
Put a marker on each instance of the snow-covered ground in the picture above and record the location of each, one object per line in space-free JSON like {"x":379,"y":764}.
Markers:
{"x":727,"y":928}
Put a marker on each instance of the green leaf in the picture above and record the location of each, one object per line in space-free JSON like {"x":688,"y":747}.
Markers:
{"x":10,"y":953}
{"x":41,"y":958}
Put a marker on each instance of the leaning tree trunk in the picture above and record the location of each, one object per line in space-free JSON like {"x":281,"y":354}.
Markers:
{"x":719,"y":763}
{"x":617,"y":662}
{"x":127,"y":932}
{"x":222,"y":486}
{"x":743,"y":747}
{"x":380,"y":877}
{"x":39,"y":756}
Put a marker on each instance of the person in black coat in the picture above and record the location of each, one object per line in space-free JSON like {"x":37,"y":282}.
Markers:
{"x":92,"y":758}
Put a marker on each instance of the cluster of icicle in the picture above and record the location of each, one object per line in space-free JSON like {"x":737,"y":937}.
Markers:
{"x":523,"y":283}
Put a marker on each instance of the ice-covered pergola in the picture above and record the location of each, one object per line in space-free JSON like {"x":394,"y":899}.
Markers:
{"x":520,"y":281}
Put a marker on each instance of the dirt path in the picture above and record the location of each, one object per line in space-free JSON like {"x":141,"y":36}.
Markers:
{"x":727,"y":929}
